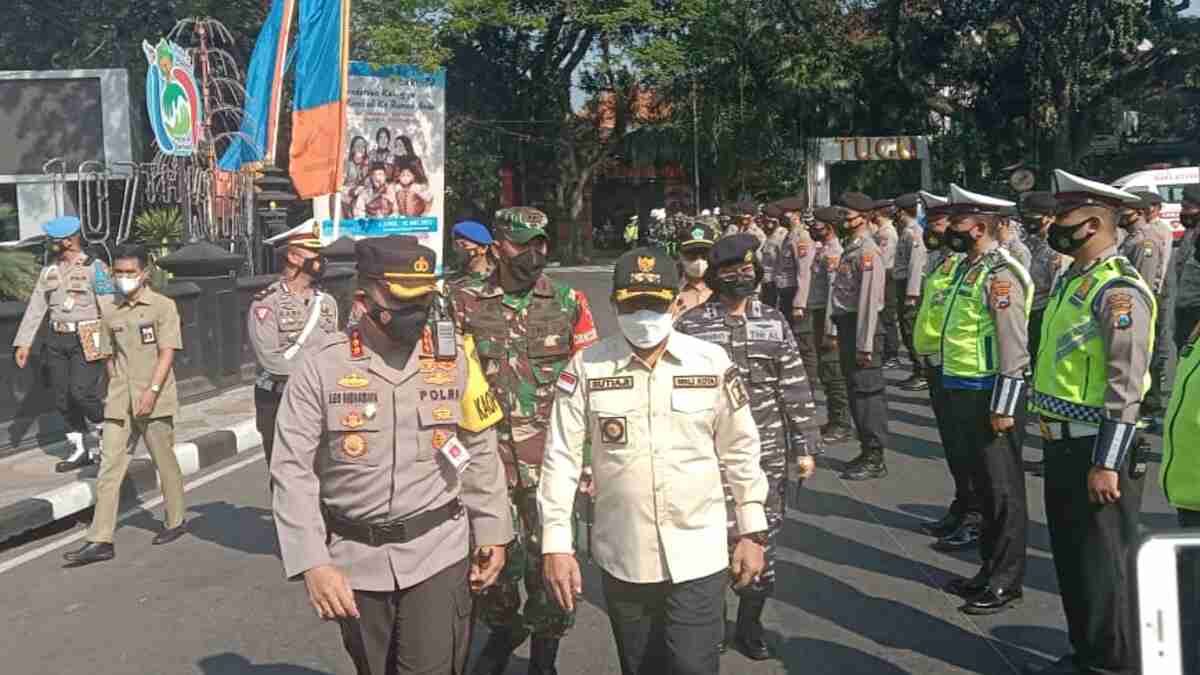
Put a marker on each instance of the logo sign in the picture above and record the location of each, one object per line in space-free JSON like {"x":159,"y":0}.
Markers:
{"x":172,"y":98}
{"x":873,"y":148}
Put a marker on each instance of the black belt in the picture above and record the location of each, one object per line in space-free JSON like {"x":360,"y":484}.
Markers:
{"x":276,"y":386}
{"x":395,"y":532}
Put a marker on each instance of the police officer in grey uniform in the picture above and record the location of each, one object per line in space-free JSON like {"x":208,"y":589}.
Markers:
{"x":768,"y":254}
{"x":1185,"y":268}
{"x":856,"y":297}
{"x":1046,"y":264}
{"x":285,"y":318}
{"x":888,"y":238}
{"x":74,"y":290}
{"x":794,"y":256}
{"x":1148,"y":253}
{"x":908,"y":272}
{"x":386,"y":473}
{"x":758,"y":339}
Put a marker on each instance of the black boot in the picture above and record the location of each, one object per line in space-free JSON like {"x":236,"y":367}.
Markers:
{"x":543,"y":653}
{"x":750,"y":629}
{"x":493,"y":660}
{"x":870,"y":468}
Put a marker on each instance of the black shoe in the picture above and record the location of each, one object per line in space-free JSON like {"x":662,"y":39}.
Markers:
{"x":992,"y":601}
{"x":836,"y":434}
{"x":755,"y":649}
{"x":543,"y":653}
{"x":892,"y":364}
{"x":869,"y":469}
{"x":90,"y":552}
{"x":965,"y":537}
{"x":943,"y":527}
{"x":501,"y":643}
{"x":966,"y":588}
{"x":749,"y":629}
{"x":67,"y":466}
{"x":1063,"y":666}
{"x":915,"y":383}
{"x":171,"y":534}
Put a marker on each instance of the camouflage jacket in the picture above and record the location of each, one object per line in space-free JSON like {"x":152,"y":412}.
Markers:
{"x":524,"y":340}
{"x":762,"y":346}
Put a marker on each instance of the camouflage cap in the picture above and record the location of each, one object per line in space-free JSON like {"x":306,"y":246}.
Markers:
{"x":520,"y":224}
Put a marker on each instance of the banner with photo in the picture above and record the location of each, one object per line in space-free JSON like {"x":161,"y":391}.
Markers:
{"x":396,"y":158}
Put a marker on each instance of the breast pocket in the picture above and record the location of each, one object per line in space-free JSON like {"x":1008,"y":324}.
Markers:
{"x":354,"y":439}
{"x":547,"y":354}
{"x":614,"y":421}
{"x":438,"y":425}
{"x":763,"y":369}
{"x":692,"y":412}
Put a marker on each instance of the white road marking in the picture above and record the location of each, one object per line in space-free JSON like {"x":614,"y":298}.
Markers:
{"x":9,"y":565}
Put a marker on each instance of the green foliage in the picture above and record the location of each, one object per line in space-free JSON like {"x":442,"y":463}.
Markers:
{"x":18,"y":274}
{"x":158,"y":226}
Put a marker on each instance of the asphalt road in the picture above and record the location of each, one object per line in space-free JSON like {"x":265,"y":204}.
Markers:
{"x":858,"y":584}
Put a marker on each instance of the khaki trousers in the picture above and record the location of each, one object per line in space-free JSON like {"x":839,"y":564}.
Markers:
{"x":120,"y":436}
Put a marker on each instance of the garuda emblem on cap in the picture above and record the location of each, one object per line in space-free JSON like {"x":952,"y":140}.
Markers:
{"x":749,"y":256}
{"x":646,"y":273}
{"x":421,"y":265}
{"x":646,"y":264}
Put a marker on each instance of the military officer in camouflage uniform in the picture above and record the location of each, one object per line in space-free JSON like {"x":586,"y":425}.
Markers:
{"x":286,"y":318}
{"x":855,"y":302}
{"x":907,"y":272}
{"x":526,"y":327}
{"x":386,"y":473}
{"x":759,"y":341}
{"x":695,"y":241}
{"x":1145,"y":249}
{"x":1185,"y":268}
{"x":75,"y":290}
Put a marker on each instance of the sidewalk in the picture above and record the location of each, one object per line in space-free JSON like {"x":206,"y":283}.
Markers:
{"x":206,"y":432}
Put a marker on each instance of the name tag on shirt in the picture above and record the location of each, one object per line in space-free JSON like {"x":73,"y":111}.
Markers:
{"x":719,"y":337}
{"x":609,"y":383}
{"x":764,"y":330}
{"x":147,"y":333}
{"x":696,"y":381}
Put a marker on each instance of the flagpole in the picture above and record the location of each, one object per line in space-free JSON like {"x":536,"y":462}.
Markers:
{"x":281,"y":50}
{"x":340,"y":165}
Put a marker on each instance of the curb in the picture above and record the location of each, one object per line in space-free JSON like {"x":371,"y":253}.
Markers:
{"x":194,"y":456}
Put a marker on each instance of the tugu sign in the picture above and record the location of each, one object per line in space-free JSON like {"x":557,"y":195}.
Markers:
{"x":870,"y":148}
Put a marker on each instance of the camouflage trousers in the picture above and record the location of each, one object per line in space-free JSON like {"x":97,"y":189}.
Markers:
{"x":774,"y":507}
{"x":500,"y":605}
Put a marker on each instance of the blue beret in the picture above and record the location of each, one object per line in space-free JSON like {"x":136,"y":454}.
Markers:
{"x":473,"y":231}
{"x":61,"y":227}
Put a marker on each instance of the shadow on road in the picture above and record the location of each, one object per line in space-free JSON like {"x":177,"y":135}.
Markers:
{"x":236,"y":664}
{"x":248,"y":529}
{"x":806,"y":656}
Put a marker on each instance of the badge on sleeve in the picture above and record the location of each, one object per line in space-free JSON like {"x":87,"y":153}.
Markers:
{"x":456,"y":454}
{"x":999,"y":293}
{"x":612,"y":430}
{"x":147,"y":332}
{"x":1120,"y":305}
{"x":735,"y":388}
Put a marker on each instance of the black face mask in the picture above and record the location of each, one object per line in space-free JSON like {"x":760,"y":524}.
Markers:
{"x":406,"y":323}
{"x":1032,"y":227}
{"x":933,"y":240}
{"x":1061,"y":238}
{"x":314,"y":267}
{"x":1189,"y":220}
{"x":739,"y":287}
{"x":818,"y":233}
{"x":959,"y":242}
{"x":525,"y":268}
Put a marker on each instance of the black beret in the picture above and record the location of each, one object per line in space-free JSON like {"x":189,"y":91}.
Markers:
{"x":1039,"y":203}
{"x":738,"y":248}
{"x":856,"y":201}
{"x":398,"y":257}
{"x":830,"y":215}
{"x":645,"y":271}
{"x":908,"y":200}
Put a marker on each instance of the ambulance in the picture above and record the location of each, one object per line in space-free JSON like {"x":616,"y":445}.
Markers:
{"x":1168,"y":183}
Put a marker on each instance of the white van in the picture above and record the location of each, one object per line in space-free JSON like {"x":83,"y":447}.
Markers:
{"x":1168,"y":183}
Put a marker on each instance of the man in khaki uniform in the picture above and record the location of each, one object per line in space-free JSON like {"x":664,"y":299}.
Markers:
{"x":74,"y":290}
{"x":662,"y":411}
{"x":695,"y":241}
{"x":142,"y":335}
{"x":385,"y":440}
{"x":285,"y":319}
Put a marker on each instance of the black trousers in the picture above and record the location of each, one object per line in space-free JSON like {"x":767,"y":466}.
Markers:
{"x":966,"y":498}
{"x":770,"y":294}
{"x":866,"y":387}
{"x":1186,"y":319}
{"x":1094,"y":550}
{"x":785,"y":300}
{"x":1035,"y":335}
{"x":889,"y":317}
{"x":907,"y":317}
{"x":996,"y":470}
{"x":79,"y":386}
{"x":668,"y":628}
{"x":421,"y":630}
{"x":1153,"y":402}
{"x":1189,"y":596}
{"x":266,"y":407}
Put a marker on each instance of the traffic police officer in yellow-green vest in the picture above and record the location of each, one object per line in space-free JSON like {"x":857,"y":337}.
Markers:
{"x":959,"y":528}
{"x":1091,"y":374}
{"x":985,"y":355}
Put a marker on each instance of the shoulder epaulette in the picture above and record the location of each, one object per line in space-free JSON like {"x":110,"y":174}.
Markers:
{"x":265,"y":293}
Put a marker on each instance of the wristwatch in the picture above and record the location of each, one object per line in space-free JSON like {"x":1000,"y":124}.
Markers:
{"x":759,"y":537}
{"x":155,"y":388}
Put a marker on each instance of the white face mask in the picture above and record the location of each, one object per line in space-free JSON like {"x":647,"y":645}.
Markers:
{"x":127,"y":285}
{"x":695,"y":268}
{"x":645,"y":328}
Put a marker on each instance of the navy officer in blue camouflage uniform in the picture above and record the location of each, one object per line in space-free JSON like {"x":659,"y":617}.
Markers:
{"x":759,"y":341}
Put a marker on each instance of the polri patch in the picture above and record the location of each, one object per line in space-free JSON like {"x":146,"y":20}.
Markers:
{"x":354,"y":446}
{"x":610,"y":383}
{"x":735,"y":388}
{"x":1120,"y":305}
{"x":1000,"y":293}
{"x":696,"y":381}
{"x":612,"y":430}
{"x":567,"y":382}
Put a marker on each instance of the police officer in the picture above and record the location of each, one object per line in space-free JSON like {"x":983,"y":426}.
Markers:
{"x":695,"y":242}
{"x":768,"y":254}
{"x":1164,"y":325}
{"x":1087,"y":389}
{"x":886,"y":236}
{"x":526,"y":326}
{"x":985,"y":354}
{"x":472,"y":242}
{"x":759,"y":340}
{"x":820,"y":355}
{"x":959,"y":528}
{"x":385,"y":440}
{"x":663,"y":411}
{"x":285,"y":318}
{"x":75,"y":290}
{"x":1149,"y":254}
{"x":907,"y":273}
{"x":140,"y":335}
{"x":1186,"y":268}
{"x":793,"y":266}
{"x":744,"y":222}
{"x":856,"y":297}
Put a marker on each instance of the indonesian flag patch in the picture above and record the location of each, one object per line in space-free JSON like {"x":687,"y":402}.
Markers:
{"x":567,"y":383}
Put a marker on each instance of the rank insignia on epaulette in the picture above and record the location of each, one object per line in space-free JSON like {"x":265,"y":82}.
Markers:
{"x":427,"y":341}
{"x":972,"y":276}
{"x":356,"y":346}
